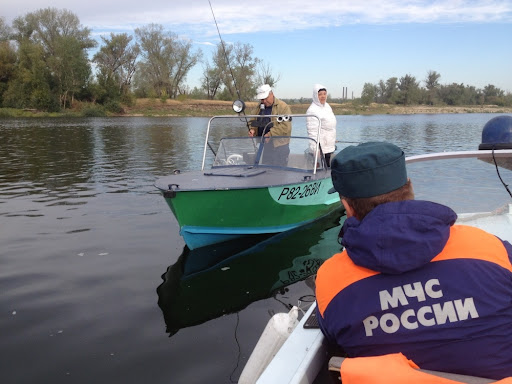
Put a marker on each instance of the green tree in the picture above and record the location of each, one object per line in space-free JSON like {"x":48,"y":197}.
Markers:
{"x":46,"y":26}
{"x":493,"y":95}
{"x":236,"y":65}
{"x":31,"y":84}
{"x":368,"y":93}
{"x":459,"y":94}
{"x":166,"y":61}
{"x":225,"y":95}
{"x":186,"y":59}
{"x":409,"y":90}
{"x":508,"y":99}
{"x":392,"y":94}
{"x":211,"y":81}
{"x":264,"y":75}
{"x":380,"y":90}
{"x":64,"y":43}
{"x":471,"y":95}
{"x":432,"y":85}
{"x":70,"y":67}
{"x":5,"y":30}
{"x":197,"y":93}
{"x":8,"y":58}
{"x":116,"y":61}
{"x":451,"y":94}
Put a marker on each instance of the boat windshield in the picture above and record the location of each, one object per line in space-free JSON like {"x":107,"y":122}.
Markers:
{"x":277,"y":151}
{"x":228,"y":140}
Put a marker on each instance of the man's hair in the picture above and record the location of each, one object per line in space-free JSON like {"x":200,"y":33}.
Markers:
{"x":363,"y":206}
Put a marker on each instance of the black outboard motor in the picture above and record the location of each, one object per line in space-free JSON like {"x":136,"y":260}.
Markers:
{"x":497,"y":134}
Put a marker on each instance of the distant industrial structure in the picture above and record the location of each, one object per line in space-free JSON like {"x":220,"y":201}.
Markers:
{"x":345,"y":94}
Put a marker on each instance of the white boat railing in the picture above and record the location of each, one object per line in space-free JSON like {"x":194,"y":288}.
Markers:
{"x":484,"y":154}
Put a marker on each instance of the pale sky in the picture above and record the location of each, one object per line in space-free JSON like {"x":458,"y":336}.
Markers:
{"x":343,"y":43}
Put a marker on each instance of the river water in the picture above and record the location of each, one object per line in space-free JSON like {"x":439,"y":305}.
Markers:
{"x":96,"y":284}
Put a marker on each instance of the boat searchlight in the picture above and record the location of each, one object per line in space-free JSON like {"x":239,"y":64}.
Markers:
{"x":238,"y":106}
{"x":497,"y":133}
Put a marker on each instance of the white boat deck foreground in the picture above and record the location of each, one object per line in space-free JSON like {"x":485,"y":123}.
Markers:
{"x":304,"y":352}
{"x":498,"y":222}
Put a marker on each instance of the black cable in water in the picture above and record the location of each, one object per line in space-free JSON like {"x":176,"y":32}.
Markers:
{"x":498,"y":172}
{"x":239,"y":350}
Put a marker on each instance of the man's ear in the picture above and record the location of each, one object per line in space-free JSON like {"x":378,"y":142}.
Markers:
{"x":348,"y":209}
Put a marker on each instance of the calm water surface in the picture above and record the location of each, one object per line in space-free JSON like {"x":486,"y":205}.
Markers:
{"x":96,"y":283}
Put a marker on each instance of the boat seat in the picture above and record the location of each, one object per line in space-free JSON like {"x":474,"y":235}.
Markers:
{"x":336,"y":361}
{"x":249,"y":157}
{"x":301,"y":161}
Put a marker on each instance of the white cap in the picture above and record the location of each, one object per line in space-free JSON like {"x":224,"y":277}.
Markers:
{"x":263,"y":91}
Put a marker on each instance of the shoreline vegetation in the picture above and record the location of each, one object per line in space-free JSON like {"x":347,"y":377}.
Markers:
{"x":207,"y":108}
{"x":46,"y":71}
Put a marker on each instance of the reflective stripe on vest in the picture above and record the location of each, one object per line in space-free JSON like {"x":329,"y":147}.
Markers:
{"x":464,"y":242}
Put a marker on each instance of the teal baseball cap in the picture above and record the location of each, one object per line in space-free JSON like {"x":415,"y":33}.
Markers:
{"x":368,"y":169}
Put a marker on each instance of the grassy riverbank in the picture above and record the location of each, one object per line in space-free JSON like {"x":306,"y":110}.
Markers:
{"x":154,"y":107}
{"x":206,"y":108}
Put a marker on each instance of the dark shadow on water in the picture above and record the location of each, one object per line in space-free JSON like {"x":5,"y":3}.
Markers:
{"x":209,"y":282}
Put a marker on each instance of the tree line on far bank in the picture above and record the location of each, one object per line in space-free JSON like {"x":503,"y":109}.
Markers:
{"x":407,"y":91}
{"x":44,"y":65}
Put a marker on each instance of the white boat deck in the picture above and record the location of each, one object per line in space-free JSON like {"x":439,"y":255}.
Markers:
{"x":300,"y":358}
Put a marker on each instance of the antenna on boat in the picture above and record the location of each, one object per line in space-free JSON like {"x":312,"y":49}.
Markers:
{"x":239,"y":104}
{"x":224,"y":49}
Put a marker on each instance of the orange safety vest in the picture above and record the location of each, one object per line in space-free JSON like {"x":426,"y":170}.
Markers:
{"x":394,"y":368}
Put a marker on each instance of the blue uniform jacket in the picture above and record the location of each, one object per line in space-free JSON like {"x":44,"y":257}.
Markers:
{"x":411,"y":281}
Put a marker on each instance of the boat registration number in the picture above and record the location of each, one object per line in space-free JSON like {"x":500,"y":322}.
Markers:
{"x":300,"y":192}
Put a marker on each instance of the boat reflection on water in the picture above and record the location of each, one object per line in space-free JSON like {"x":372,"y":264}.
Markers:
{"x":209,"y":282}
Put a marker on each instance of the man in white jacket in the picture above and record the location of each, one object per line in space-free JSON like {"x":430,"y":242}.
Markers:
{"x":323,"y":110}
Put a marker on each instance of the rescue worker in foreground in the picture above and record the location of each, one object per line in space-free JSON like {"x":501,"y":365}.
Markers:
{"x":277,"y":150}
{"x":409,"y":280}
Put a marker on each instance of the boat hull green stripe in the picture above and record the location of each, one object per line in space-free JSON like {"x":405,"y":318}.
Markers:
{"x":254,"y":208}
